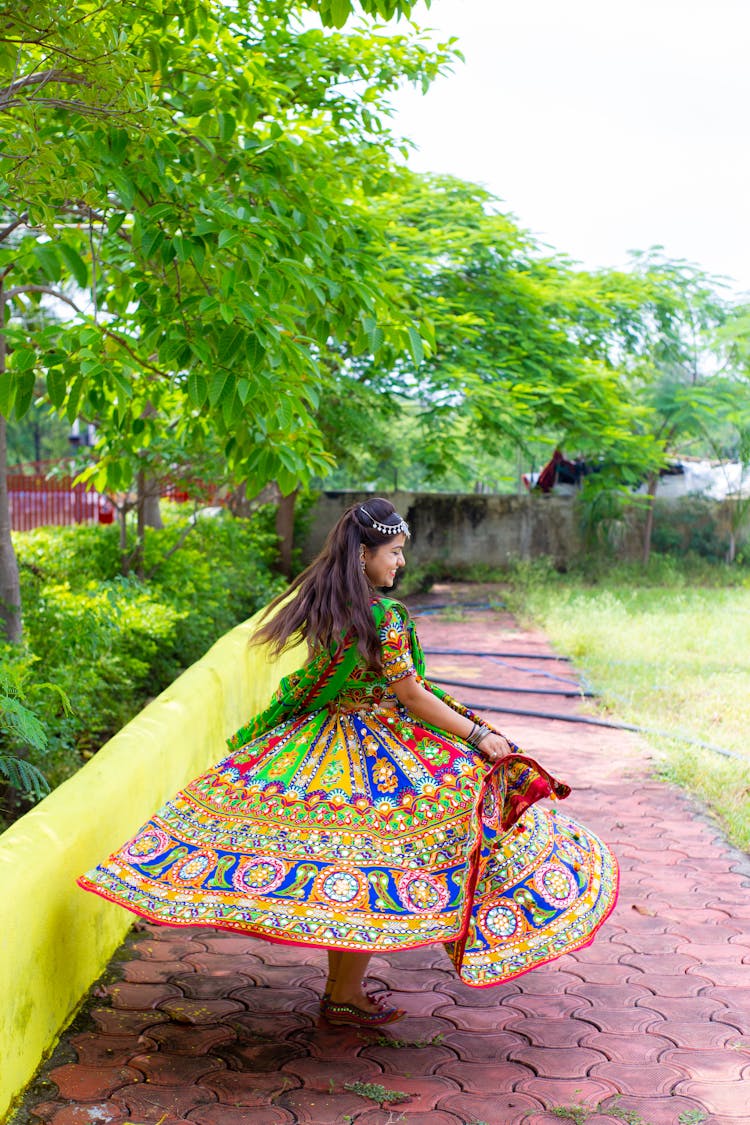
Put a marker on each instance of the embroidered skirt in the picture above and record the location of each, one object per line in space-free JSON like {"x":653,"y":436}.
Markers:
{"x":366,"y":830}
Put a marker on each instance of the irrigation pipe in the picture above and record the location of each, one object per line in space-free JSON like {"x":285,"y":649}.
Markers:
{"x":492,"y":655}
{"x":591,"y":721}
{"x":426,"y":610}
{"x":573,"y":692}
{"x":495,"y":658}
{"x":585,"y":719}
{"x":534,"y":672}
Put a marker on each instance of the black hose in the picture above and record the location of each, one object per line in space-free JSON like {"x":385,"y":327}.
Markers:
{"x":438,"y":607}
{"x":573,"y":693}
{"x":535,"y":672}
{"x":591,"y":721}
{"x":585,"y":719}
{"x":513,"y":655}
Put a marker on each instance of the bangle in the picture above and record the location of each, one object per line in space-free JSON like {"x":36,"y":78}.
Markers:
{"x":476,"y":735}
{"x":471,"y":736}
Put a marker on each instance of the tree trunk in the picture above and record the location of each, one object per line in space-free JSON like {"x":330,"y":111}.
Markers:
{"x":150,"y":504}
{"x":137,"y":560}
{"x":239,"y":502}
{"x":10,"y":588}
{"x":285,"y":531}
{"x":122,"y":519}
{"x":653,"y":481}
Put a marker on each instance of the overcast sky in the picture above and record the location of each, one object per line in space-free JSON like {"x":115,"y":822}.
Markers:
{"x":604,"y":125}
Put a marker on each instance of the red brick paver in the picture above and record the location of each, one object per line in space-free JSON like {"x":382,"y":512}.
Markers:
{"x":650,"y":1025}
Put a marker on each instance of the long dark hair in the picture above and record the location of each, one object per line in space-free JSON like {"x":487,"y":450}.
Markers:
{"x":332,"y":597}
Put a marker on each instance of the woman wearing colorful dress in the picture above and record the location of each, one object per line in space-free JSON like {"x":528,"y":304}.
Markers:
{"x":365,"y":810}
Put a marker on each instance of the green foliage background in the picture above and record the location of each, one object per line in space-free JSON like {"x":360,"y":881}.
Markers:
{"x":110,"y":643}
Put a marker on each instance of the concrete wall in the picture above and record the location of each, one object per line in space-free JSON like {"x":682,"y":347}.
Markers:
{"x":463,"y":530}
{"x":56,"y":939}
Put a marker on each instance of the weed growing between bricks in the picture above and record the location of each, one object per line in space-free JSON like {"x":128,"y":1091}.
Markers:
{"x":374,"y":1092}
{"x":580,"y":1114}
{"x":388,"y":1041}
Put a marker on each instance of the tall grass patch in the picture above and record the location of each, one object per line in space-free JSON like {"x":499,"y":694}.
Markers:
{"x":669,"y":652}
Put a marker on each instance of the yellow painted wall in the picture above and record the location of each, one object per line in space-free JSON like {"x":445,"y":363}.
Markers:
{"x":56,"y":939}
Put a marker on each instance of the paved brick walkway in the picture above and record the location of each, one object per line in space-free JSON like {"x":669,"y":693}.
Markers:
{"x":649,"y":1026}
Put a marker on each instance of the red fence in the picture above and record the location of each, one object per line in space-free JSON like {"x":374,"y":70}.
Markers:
{"x":37,"y":500}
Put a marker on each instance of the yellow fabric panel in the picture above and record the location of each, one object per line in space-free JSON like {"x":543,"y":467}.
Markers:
{"x":56,"y":939}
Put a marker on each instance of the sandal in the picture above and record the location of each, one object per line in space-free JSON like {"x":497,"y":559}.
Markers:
{"x":378,"y":995}
{"x":347,"y":1015}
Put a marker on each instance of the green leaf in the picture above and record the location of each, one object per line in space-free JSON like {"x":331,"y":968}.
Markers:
{"x":219,"y":385}
{"x":415,"y":345}
{"x":115,"y":221}
{"x":376,"y":339}
{"x":254,"y":351}
{"x":57,"y":386}
{"x":289,"y":459}
{"x":25,"y":382}
{"x":47,"y":257}
{"x":338,"y":12}
{"x":122,"y":382}
{"x":23,"y":359}
{"x":75,"y":264}
{"x":227,"y":125}
{"x":7,"y":394}
{"x":74,"y":399}
{"x":284,"y":413}
{"x":230,"y":342}
{"x":23,"y":776}
{"x":197,"y":385}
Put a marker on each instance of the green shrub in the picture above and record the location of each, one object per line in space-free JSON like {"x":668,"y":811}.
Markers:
{"x":110,"y":643}
{"x":21,"y":731}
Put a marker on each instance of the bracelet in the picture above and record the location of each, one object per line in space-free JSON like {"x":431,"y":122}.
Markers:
{"x":477,"y":734}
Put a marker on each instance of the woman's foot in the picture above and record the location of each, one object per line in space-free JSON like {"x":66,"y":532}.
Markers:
{"x":376,"y":995}
{"x":342,"y":1015}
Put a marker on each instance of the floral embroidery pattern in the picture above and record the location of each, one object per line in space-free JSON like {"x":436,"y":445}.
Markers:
{"x":384,"y":776}
{"x":351,"y":825}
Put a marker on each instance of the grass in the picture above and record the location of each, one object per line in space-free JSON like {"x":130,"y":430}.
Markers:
{"x":670,"y":652}
{"x":380,"y":1040}
{"x":579,"y":1114}
{"x":377,"y":1093}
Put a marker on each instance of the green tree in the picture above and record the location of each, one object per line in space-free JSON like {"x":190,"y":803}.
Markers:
{"x":683,"y":370}
{"x":212,"y":243}
{"x":335,"y":13}
{"x":519,"y":349}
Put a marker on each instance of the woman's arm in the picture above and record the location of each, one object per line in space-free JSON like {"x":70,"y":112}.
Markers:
{"x":426,"y":706}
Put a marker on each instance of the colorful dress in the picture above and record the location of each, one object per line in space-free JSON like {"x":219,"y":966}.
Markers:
{"x":339,"y":820}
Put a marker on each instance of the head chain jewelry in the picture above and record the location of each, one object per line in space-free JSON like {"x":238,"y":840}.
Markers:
{"x":386,"y":528}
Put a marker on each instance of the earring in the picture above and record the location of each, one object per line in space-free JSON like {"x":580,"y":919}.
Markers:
{"x":362,"y":557}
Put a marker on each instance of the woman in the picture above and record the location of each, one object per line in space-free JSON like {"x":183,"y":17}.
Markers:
{"x":365,"y":810}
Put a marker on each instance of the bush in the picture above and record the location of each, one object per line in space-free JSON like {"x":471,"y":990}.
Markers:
{"x":111,"y":643}
{"x":21,"y":782}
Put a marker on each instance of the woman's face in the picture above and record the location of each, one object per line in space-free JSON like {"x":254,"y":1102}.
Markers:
{"x":382,"y":563}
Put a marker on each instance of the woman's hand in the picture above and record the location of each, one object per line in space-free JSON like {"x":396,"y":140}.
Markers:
{"x":494,"y":746}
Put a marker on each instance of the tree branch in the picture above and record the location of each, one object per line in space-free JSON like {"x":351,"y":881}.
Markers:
{"x":19,"y":290}
{"x":6,"y":232}
{"x":65,"y":78}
